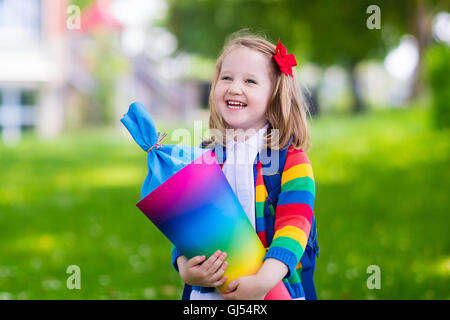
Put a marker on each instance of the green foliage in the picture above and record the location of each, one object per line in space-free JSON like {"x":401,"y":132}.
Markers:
{"x":323,"y":31}
{"x":82,"y":3}
{"x":438,"y":71}
{"x":382,"y":184}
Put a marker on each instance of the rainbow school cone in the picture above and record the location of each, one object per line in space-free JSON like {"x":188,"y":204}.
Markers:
{"x":196,"y":208}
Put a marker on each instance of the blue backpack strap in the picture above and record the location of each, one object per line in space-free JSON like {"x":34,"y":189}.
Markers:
{"x":219,"y":151}
{"x":186,"y":292}
{"x":308,"y":261}
{"x":273,"y":186}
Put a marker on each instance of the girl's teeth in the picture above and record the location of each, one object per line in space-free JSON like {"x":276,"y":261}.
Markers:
{"x":235,"y":105}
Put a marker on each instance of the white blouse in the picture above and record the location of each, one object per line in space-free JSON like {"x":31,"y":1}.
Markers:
{"x":238,"y":168}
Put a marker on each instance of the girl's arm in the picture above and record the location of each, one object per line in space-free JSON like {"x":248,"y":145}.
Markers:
{"x":271,"y":273}
{"x":257,"y":286}
{"x":294,"y":211}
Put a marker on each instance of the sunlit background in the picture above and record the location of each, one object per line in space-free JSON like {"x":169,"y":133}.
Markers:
{"x":71,"y":176}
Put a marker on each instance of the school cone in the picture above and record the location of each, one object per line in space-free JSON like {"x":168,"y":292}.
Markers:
{"x":197,"y":210}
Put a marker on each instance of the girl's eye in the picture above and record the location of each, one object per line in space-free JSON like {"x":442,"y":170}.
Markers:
{"x":228,"y":78}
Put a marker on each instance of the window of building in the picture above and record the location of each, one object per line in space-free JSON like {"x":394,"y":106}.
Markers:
{"x":18,"y":108}
{"x":28,"y":98}
{"x":20,"y":20}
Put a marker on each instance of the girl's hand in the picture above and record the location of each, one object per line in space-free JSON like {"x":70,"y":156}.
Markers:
{"x":198,"y":272}
{"x":246,"y":288}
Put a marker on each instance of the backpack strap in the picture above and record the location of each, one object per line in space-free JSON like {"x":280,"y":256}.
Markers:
{"x":218,"y":150}
{"x":272,"y":180}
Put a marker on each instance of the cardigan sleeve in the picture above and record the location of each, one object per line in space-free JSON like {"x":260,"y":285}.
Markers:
{"x":175,"y":254}
{"x":294,"y":211}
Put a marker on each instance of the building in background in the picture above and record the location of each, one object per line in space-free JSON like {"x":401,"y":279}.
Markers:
{"x":32,"y":67}
{"x":49,"y":70}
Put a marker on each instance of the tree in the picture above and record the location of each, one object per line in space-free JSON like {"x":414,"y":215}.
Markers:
{"x":323,"y":31}
{"x":326,"y":32}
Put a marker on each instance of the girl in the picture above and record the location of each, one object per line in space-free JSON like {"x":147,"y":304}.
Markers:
{"x":257,"y":109}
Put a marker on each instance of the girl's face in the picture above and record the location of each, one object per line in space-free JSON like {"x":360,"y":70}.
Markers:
{"x":243,"y":89}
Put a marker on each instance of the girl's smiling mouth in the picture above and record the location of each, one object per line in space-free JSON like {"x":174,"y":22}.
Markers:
{"x":235,"y":105}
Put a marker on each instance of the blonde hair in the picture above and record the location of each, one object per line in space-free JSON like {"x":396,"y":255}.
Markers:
{"x":286,"y":110}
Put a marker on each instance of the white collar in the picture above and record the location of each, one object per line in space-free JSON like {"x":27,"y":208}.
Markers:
{"x":255,"y":142}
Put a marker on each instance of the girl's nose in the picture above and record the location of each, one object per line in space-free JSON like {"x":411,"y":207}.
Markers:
{"x":235,"y":88}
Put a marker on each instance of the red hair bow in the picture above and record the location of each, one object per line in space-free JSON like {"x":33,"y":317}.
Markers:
{"x":285,"y":61}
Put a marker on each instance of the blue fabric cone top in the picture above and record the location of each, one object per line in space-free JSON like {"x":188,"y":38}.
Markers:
{"x":163,"y":161}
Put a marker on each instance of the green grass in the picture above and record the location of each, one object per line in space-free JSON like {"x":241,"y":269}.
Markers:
{"x":382,"y":199}
{"x":382,"y":183}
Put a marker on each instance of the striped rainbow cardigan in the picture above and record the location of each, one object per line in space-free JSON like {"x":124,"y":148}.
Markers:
{"x":292,"y":218}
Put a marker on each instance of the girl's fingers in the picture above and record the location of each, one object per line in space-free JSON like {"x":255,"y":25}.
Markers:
{"x":233,"y":285}
{"x":218,"y":263}
{"x":210,"y":261}
{"x":219,"y":282}
{"x":220,"y":272}
{"x":195,"y":261}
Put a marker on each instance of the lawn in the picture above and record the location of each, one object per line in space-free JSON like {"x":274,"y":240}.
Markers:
{"x":382,"y":183}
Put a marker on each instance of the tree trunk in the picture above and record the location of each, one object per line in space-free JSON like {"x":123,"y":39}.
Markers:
{"x":358,"y":103}
{"x":422,"y":30}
